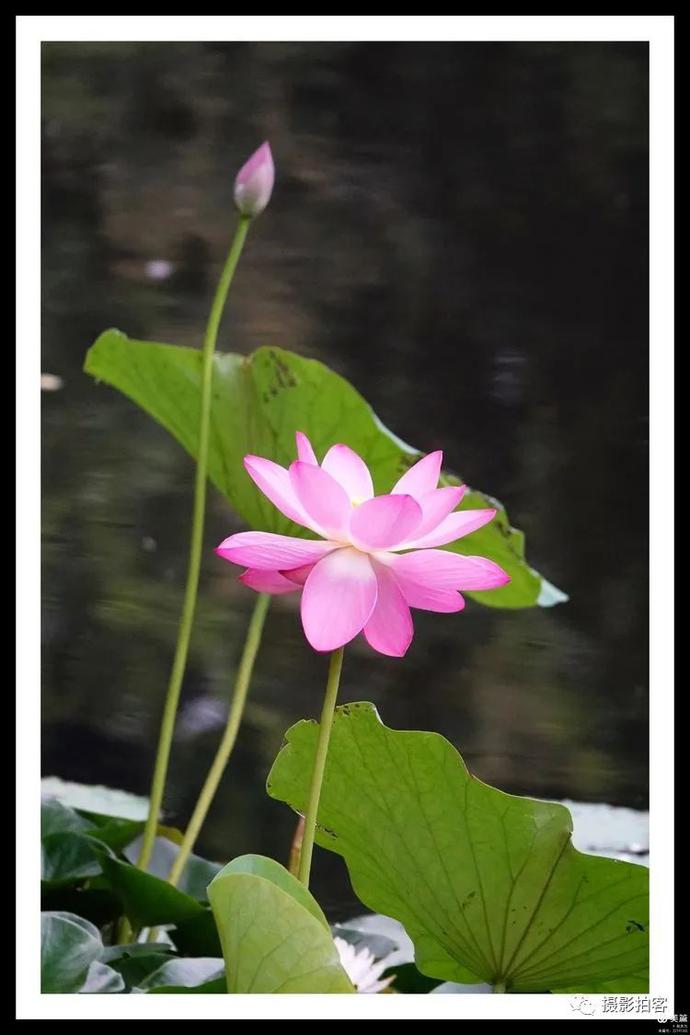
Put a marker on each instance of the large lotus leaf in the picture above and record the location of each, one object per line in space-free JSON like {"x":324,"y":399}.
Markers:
{"x":274,"y":936}
{"x":259,"y":401}
{"x":488,"y":885}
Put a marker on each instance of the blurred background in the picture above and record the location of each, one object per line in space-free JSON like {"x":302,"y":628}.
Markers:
{"x":460,"y":230}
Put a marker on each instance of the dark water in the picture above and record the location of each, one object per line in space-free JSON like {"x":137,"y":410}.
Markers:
{"x":461,"y":230}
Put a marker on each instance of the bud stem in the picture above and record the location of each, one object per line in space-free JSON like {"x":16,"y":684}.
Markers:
{"x":195,"y":547}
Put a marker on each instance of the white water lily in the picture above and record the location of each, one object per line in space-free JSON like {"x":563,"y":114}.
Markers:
{"x":361,"y":967}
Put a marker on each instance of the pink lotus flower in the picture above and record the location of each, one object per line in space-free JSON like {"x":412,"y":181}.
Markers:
{"x":254,"y":182}
{"x":376,"y":558}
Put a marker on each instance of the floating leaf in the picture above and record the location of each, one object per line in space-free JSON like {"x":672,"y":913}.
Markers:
{"x":274,"y":936}
{"x":186,"y":975}
{"x":212,"y":987}
{"x":102,"y":979}
{"x":57,"y":818}
{"x":148,"y":900}
{"x":196,"y":875}
{"x":113,"y":832}
{"x":487,"y":884}
{"x":69,"y":945}
{"x":95,"y":798}
{"x":68,"y":857}
{"x":258,"y":403}
{"x":135,"y":962}
{"x":72,"y":842}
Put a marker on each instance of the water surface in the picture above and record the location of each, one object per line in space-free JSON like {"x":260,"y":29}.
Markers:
{"x":461,"y":230}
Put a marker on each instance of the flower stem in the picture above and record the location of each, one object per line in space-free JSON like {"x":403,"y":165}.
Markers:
{"x":325,"y":726}
{"x":195,"y":545}
{"x":499,"y":987}
{"x":239,"y":696}
{"x":124,"y":932}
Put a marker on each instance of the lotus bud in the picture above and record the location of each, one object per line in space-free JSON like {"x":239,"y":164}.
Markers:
{"x":254,"y":182}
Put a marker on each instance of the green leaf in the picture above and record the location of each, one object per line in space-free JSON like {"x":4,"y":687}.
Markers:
{"x":262,"y":866}
{"x":135,"y":962}
{"x":259,"y":402}
{"x":72,"y":842}
{"x":148,"y":900}
{"x":196,"y":875}
{"x":102,"y":979}
{"x":487,"y":884}
{"x":410,"y":981}
{"x":95,"y":798}
{"x":113,"y":832}
{"x":274,"y":936}
{"x":57,"y":818}
{"x":213,"y":987}
{"x":68,"y":857}
{"x":633,"y":984}
{"x":69,"y":945}
{"x":186,"y":975}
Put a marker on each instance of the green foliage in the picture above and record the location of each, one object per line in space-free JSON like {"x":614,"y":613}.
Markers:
{"x":57,"y":818}
{"x":489,"y":888}
{"x":70,"y":851}
{"x":259,"y":402}
{"x":137,"y":961}
{"x":274,"y":936}
{"x":68,"y":857}
{"x":488,"y":885}
{"x":71,"y":948}
{"x":147,"y":900}
{"x":196,"y":875}
{"x":185,"y":976}
{"x":95,"y":800}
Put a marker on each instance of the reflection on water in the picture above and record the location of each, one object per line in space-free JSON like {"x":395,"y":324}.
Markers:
{"x":461,"y":231}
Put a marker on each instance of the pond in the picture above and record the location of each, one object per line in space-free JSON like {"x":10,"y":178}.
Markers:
{"x":461,"y":231}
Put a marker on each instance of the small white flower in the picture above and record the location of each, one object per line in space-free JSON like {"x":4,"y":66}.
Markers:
{"x":361,"y":967}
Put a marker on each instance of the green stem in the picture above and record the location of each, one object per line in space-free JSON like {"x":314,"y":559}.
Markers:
{"x":499,"y":987}
{"x":239,"y":696}
{"x":325,"y":726}
{"x":124,"y":932}
{"x":195,"y":546}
